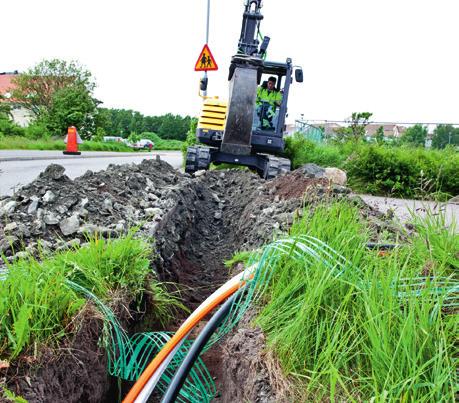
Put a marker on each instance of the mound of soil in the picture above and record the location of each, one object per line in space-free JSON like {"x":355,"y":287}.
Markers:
{"x":75,"y":372}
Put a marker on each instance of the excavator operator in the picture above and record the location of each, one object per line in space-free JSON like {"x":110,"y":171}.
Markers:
{"x":268,"y":97}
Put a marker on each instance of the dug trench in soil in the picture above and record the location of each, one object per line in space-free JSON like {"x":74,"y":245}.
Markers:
{"x":196,"y":224}
{"x":236,"y":211}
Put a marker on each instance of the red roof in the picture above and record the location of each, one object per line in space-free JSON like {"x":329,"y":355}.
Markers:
{"x":6,"y":84}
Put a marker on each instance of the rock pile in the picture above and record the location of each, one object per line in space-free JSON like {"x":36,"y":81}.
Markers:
{"x":57,"y":212}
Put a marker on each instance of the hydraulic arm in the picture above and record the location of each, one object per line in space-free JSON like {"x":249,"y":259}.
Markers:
{"x":245,"y":73}
{"x":248,"y":42}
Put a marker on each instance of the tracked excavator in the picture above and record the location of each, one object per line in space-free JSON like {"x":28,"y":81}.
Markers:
{"x":234,"y":132}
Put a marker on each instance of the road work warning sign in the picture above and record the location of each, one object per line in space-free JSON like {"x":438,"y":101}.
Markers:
{"x":206,"y":61}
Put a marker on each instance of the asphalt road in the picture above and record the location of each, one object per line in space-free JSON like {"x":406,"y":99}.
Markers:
{"x":405,"y":209}
{"x":18,"y":167}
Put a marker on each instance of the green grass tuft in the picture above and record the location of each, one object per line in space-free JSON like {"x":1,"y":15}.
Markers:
{"x":37,"y":305}
{"x":352,"y":337}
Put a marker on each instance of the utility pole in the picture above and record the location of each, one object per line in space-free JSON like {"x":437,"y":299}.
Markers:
{"x":207,"y":41}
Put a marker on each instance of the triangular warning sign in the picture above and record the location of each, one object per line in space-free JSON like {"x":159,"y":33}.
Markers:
{"x":205,"y":60}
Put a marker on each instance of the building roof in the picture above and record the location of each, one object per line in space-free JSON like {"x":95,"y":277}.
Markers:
{"x":390,"y":130}
{"x":6,"y":84}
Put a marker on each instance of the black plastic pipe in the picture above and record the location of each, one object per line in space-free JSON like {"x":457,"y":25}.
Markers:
{"x":182,"y":373}
{"x":381,"y":246}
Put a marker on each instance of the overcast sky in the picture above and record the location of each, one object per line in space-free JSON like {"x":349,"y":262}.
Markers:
{"x":396,"y":58}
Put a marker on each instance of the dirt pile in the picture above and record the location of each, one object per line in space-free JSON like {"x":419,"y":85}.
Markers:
{"x":76,"y":372}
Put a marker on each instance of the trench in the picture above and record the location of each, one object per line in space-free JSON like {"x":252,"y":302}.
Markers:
{"x":220,"y":214}
{"x":212,"y":213}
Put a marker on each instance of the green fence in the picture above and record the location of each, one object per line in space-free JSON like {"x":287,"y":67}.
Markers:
{"x":313,"y":133}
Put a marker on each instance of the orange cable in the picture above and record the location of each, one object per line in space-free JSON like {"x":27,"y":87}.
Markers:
{"x":178,"y":336}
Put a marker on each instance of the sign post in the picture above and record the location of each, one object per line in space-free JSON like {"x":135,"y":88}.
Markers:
{"x":206,"y":61}
{"x":207,"y":41}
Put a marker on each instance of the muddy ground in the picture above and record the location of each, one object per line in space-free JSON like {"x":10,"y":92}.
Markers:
{"x":196,"y":224}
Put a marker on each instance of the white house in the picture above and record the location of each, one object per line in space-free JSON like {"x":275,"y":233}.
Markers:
{"x":21,"y":116}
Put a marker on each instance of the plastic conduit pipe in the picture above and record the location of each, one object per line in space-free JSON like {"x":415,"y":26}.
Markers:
{"x":148,"y":388}
{"x":147,"y":380}
{"x":180,"y":376}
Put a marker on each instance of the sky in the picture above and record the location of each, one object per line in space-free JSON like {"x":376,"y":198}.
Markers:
{"x":398,"y":59}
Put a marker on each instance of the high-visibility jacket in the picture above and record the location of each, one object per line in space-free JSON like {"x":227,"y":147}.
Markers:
{"x":264,"y":95}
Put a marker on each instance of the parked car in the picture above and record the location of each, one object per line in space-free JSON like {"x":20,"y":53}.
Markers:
{"x":116,"y":139}
{"x":144,"y":144}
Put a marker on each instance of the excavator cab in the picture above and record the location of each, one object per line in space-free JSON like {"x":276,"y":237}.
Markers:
{"x":267,"y":134}
{"x":239,"y":131}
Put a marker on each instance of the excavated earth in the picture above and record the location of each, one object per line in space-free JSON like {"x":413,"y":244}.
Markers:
{"x":196,"y":223}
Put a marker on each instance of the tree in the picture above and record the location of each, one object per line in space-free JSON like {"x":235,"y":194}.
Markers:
{"x":152,"y":123}
{"x":71,"y":106}
{"x":59,"y":94}
{"x":36,"y":87}
{"x":359,"y":120}
{"x":444,"y":135}
{"x":415,"y":135}
{"x":174,"y":127}
{"x":356,"y":129}
{"x":124,"y":122}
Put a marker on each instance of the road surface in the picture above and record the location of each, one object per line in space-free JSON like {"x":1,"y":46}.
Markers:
{"x":19,"y":167}
{"x":403,"y":209}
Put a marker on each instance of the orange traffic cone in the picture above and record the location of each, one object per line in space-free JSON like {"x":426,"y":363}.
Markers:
{"x":72,"y":141}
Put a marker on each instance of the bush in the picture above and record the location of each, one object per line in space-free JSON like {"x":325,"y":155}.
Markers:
{"x":37,"y":131}
{"x":404,"y":171}
{"x":9,"y":128}
{"x":384,"y":169}
{"x":300,"y":150}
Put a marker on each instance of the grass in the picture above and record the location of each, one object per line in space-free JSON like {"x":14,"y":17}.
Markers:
{"x":355,"y":337}
{"x":37,"y":306}
{"x":23,"y":143}
{"x":162,"y":144}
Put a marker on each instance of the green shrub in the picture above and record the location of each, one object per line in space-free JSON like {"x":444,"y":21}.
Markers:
{"x":301,"y":151}
{"x":37,"y":131}
{"x":9,"y":128}
{"x":404,"y":171}
{"x":384,"y":169}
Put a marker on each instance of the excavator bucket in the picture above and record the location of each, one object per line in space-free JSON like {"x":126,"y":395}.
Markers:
{"x":238,"y":129}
